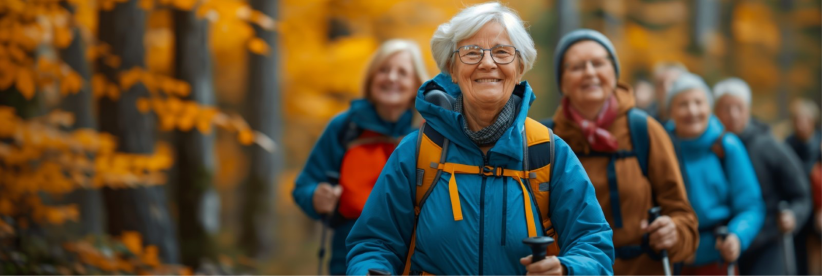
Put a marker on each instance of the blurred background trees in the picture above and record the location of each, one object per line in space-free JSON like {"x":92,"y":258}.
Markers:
{"x":140,"y":136}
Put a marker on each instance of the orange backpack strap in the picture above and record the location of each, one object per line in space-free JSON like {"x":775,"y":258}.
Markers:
{"x":538,"y":157}
{"x":431,"y":147}
{"x":718,"y":148}
{"x":539,"y":154}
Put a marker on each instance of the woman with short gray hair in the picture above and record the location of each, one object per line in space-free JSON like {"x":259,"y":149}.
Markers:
{"x":721,"y":184}
{"x":459,"y":196}
{"x":780,"y":177}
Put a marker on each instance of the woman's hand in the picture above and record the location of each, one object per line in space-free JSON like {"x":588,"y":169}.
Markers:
{"x":729,"y":248}
{"x":550,"y":266}
{"x":662,"y":232}
{"x":325,"y":198}
{"x":787,"y":221}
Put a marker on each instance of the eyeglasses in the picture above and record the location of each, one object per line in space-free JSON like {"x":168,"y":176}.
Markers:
{"x":473,"y":54}
{"x":581,"y":66}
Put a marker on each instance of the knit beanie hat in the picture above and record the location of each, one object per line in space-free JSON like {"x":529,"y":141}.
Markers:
{"x":576,"y":36}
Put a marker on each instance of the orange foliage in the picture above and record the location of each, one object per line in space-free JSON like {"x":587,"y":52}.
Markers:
{"x":63,"y":164}
{"x":143,"y":260}
{"x":258,"y":46}
{"x":6,"y":230}
{"x":24,"y":26}
{"x":8,"y":72}
{"x":25,"y":82}
{"x":750,"y":25}
{"x":246,"y":137}
{"x":133,"y":242}
{"x":46,"y":158}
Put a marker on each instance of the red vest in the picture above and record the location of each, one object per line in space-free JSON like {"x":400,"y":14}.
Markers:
{"x":363,"y":161}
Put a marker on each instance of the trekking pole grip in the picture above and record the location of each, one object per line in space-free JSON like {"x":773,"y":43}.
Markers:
{"x":539,"y":246}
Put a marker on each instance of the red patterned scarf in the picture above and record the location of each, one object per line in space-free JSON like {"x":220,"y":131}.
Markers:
{"x":596,"y":133}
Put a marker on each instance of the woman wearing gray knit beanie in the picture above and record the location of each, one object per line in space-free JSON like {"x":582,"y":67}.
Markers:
{"x":721,"y":183}
{"x":626,"y":153}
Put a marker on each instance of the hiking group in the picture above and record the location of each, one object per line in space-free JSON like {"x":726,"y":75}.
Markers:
{"x":448,"y":176}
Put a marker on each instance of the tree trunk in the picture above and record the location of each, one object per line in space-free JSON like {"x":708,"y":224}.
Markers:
{"x":142,"y":209}
{"x":786,"y":58}
{"x":567,"y":19}
{"x":198,"y":202}
{"x":568,"y":15}
{"x":614,"y":18}
{"x":705,"y":24}
{"x":264,"y":116}
{"x":90,"y":201}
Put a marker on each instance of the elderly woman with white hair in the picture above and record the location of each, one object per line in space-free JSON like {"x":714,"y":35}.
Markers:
{"x":780,"y":175}
{"x":459,"y":196}
{"x":720,"y":180}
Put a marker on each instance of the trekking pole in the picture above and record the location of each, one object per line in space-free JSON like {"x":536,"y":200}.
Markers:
{"x":538,"y":245}
{"x":787,"y":244}
{"x":333,"y":179}
{"x":652,"y":214}
{"x":722,"y":233}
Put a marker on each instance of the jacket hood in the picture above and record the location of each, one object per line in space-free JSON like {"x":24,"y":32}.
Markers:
{"x":753,"y":129}
{"x":449,"y":123}
{"x":704,"y":141}
{"x":365,"y":116}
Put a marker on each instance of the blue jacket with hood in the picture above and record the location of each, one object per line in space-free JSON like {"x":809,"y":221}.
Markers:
{"x":721,"y":192}
{"x":488,"y":240}
{"x":327,"y":155}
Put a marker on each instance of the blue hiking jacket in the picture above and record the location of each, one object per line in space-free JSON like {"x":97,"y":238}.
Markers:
{"x":488,"y":240}
{"x":721,"y":192}
{"x":327,"y":155}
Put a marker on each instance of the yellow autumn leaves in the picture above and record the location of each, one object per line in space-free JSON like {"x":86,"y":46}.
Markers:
{"x":67,"y":160}
{"x":38,"y":156}
{"x":33,"y":205}
{"x":24,"y":26}
{"x":46,"y":72}
{"x":108,"y":5}
{"x":41,"y":157}
{"x":143,"y":261}
{"x":174,"y":113}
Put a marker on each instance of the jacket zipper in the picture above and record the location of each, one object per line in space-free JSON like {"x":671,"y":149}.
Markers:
{"x":481,"y":220}
{"x":504,"y":212}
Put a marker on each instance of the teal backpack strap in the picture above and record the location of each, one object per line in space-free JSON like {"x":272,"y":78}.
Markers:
{"x":639,"y":137}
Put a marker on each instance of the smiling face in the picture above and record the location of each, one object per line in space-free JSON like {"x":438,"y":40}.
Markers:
{"x":486,"y":84}
{"x":394,"y":83}
{"x":690,"y":112}
{"x":733,"y":112}
{"x":588,"y":77}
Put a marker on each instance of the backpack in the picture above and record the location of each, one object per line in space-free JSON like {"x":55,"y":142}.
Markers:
{"x":640,"y":140}
{"x":431,"y":153}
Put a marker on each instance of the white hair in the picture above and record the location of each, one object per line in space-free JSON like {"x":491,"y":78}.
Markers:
{"x":467,"y":22}
{"x":735,"y":87}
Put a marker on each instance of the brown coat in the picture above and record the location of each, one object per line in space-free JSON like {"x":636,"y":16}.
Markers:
{"x":664,"y":177}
